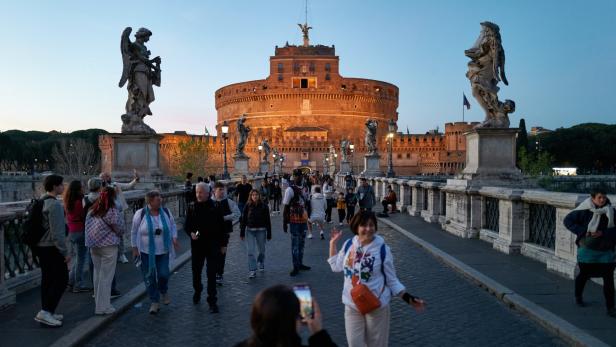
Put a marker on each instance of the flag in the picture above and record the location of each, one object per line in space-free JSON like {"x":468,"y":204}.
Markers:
{"x":407,"y":130}
{"x":465,"y":102}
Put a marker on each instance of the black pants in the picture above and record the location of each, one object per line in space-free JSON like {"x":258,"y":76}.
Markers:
{"x":201,"y":254}
{"x":328,"y":210}
{"x":350,"y":213}
{"x":341,"y":215}
{"x":220,"y":269}
{"x":604,"y":270}
{"x":54,"y":277}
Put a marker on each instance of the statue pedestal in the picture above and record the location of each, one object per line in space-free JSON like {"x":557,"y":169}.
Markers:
{"x":123,"y":153}
{"x":264,"y":167}
{"x":491,"y":155}
{"x":345,"y":167}
{"x":372,"y":166}
{"x":241,"y":165}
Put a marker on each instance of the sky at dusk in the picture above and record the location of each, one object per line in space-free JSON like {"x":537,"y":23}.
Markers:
{"x":60,"y":60}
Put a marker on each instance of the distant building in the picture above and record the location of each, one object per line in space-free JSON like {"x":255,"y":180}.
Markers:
{"x":539,"y":130}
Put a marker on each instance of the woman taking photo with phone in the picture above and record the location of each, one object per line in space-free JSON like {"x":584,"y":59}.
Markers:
{"x":275,"y":321}
{"x":370,"y":281}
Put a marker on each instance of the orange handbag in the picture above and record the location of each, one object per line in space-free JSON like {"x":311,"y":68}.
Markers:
{"x":362,"y":296}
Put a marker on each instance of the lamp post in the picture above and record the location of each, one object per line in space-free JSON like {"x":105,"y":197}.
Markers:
{"x":352,"y":148}
{"x":225,"y":131}
{"x":274,"y":156}
{"x":260,"y":148}
{"x":390,"y":140}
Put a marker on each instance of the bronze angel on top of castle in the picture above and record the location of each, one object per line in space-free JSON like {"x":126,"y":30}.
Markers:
{"x":141,"y":73}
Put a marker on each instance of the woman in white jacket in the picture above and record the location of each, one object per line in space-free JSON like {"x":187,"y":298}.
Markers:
{"x":366,"y":260}
{"x":318,"y":205}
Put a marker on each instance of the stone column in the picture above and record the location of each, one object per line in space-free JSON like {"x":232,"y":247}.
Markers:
{"x":432,"y":211}
{"x":463,"y":216}
{"x":510,"y":221}
{"x":564,"y":260}
{"x":417,"y":197}
{"x":7,"y":297}
{"x":404,"y":198}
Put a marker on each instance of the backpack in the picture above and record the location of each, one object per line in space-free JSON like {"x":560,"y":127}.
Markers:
{"x":297,"y":207}
{"x":348,"y":243}
{"x":33,"y":229}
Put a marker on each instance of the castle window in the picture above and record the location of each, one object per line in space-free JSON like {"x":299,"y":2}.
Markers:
{"x":328,"y":67}
{"x":304,"y":83}
{"x":408,"y":156}
{"x":343,"y":87}
{"x":279,"y":77}
{"x":296,"y":68}
{"x":399,"y":156}
{"x":312,"y":67}
{"x":327,"y":77}
{"x":280,"y":67}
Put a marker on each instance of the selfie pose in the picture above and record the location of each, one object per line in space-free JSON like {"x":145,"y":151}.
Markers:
{"x":370,"y":281}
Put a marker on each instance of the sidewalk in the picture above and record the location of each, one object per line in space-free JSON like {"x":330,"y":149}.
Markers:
{"x":515,"y":278}
{"x":18,"y":327}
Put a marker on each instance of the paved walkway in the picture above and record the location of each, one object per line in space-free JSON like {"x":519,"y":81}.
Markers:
{"x":459,"y":312}
{"x":524,"y":276}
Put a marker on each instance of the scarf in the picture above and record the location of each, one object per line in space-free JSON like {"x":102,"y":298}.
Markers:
{"x":151,"y":245}
{"x":597,"y":213}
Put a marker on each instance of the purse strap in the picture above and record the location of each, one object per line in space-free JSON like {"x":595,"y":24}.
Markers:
{"x":352,"y":255}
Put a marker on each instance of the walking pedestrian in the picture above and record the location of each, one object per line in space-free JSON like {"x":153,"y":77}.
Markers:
{"x":75,"y":221}
{"x":231,"y":214}
{"x":295,"y":218}
{"x":366,"y":197}
{"x":276,"y":196}
{"x":351,"y":201}
{"x":318,"y":206}
{"x":51,"y":252}
{"x":275,"y":321}
{"x":205,"y":226}
{"x":265,"y":191}
{"x":154,"y":241}
{"x":243,"y":193}
{"x":328,"y":192}
{"x":341,"y":207}
{"x":104,"y":227}
{"x":594,"y":226}
{"x":369,"y":282}
{"x":255,"y":228}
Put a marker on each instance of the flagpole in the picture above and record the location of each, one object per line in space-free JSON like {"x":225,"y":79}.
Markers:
{"x":463,"y":107}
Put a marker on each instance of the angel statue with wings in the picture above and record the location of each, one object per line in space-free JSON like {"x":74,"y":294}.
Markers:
{"x":344,"y":149}
{"x":242,"y":131}
{"x":485,"y":70}
{"x":370,"y":139}
{"x":141,"y":73}
{"x":266,"y":150}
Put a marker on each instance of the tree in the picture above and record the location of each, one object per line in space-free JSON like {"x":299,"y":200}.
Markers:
{"x":522,"y":139}
{"x":535,"y":164}
{"x":190,"y":156}
{"x":75,"y":158}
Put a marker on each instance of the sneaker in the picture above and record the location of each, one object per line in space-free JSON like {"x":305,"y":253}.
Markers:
{"x":309,"y":235}
{"x":154,"y":308}
{"x":58,"y":316}
{"x":47,"y":318}
{"x":108,"y":311}
{"x":123,"y":259}
{"x":304,"y":267}
{"x":196,"y":298}
{"x":219,"y":280}
{"x":214,"y":308}
{"x":115,"y":294}
{"x":165,"y":299}
{"x":294,"y":272}
{"x":340,"y":224}
{"x":330,"y":222}
{"x":252,"y":274}
{"x":322,"y":235}
{"x":261,"y":267}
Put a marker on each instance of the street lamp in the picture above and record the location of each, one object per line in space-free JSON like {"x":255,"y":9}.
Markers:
{"x":352,"y":148}
{"x":260,"y":148}
{"x":225,"y":131}
{"x":274,"y":156}
{"x":390,"y":140}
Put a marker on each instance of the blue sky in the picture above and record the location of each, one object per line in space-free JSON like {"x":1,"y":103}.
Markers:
{"x":60,"y":60}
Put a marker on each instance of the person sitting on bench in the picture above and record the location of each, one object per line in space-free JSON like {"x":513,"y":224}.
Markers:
{"x":390,"y":199}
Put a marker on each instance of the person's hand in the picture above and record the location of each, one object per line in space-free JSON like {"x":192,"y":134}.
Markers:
{"x":193,"y":236}
{"x":135,"y":252}
{"x":135,"y":175}
{"x":176,"y":245}
{"x":335,"y":235}
{"x":596,"y":234}
{"x":67,"y":259}
{"x":418,"y":304}
{"x":242,"y":237}
{"x":223,"y":250}
{"x":314,"y":324}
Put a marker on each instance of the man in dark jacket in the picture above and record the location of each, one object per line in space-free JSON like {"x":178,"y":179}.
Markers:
{"x":206,"y":228}
{"x":231,"y":214}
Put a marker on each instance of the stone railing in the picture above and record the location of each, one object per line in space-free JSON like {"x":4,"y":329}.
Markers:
{"x":515,"y":221}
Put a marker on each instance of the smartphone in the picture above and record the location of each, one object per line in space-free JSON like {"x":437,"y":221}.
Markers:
{"x":304,"y":295}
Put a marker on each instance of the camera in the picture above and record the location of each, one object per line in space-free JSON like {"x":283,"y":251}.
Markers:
{"x":158,"y":231}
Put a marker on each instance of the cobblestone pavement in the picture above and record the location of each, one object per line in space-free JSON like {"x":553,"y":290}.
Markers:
{"x":459,"y":313}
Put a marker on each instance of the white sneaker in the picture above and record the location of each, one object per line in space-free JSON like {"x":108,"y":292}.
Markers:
{"x":110,"y":310}
{"x":123,"y":259}
{"x":340,"y":224}
{"x":58,"y":316}
{"x":261,"y":267}
{"x":252,"y":274}
{"x":309,"y":235}
{"x":154,"y":308}
{"x":47,"y":318}
{"x":166,"y":299}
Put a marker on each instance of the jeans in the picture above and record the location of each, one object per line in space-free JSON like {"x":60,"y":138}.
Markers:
{"x":276,"y":205}
{"x":255,"y":238}
{"x":328,"y":210}
{"x":350,"y":213}
{"x":156,"y":283}
{"x":104,"y":259}
{"x":341,"y":215}
{"x":54,"y":277}
{"x":240,"y":206}
{"x":76,"y":277}
{"x":589,"y":270}
{"x":200,"y":254}
{"x":298,"y":236}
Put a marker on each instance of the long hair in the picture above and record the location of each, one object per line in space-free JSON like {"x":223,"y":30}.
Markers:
{"x":273,"y":319}
{"x":252,"y":203}
{"x":104,"y":202}
{"x":72,"y":194}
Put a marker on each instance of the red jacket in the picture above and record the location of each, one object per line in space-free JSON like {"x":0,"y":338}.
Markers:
{"x":75,"y":219}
